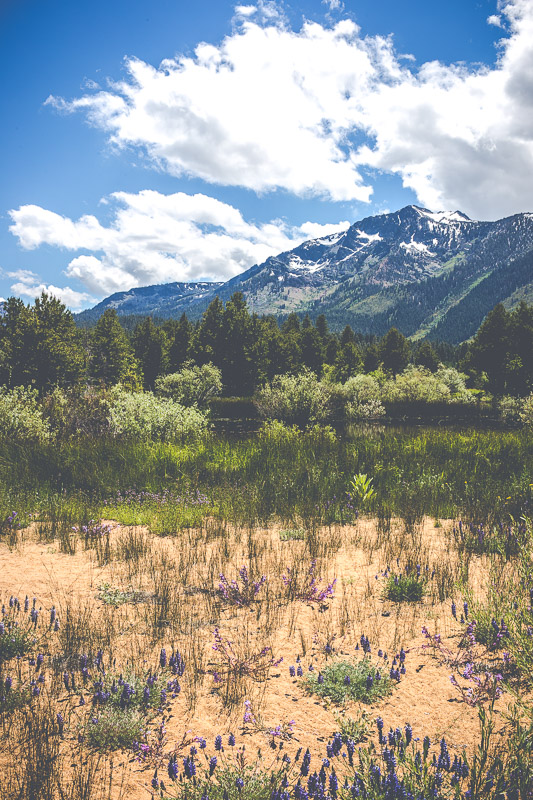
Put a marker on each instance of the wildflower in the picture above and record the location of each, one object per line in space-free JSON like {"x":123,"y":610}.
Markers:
{"x":239,"y":783}
{"x":292,"y":671}
{"x":218,"y":742}
{"x":231,"y":740}
{"x":172,"y":769}
{"x":60,"y":722}
{"x":347,"y":680}
{"x":155,"y":781}
{"x":163,"y":658}
{"x":212,"y":764}
{"x":299,"y":671}
{"x":465,"y":609}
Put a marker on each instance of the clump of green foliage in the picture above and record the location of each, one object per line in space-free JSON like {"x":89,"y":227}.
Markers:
{"x":292,"y":534}
{"x":404,"y":587}
{"x":348,"y":680}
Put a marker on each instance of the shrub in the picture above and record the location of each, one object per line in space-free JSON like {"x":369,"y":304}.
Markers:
{"x":404,"y":587}
{"x":21,"y":419}
{"x":416,"y":384}
{"x":362,"y":397}
{"x":354,"y":729}
{"x":342,"y":680}
{"x":456,"y":383}
{"x":114,"y":729}
{"x":296,"y":399}
{"x":526,"y":411}
{"x":510,"y":410}
{"x":192,"y":385}
{"x":144,"y":416}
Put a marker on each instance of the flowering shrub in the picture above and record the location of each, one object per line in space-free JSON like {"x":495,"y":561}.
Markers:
{"x":240,"y":592}
{"x":305,"y":587}
{"x":253,"y":723}
{"x":233,"y":666}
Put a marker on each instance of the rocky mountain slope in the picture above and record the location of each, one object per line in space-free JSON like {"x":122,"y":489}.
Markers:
{"x":429,"y":274}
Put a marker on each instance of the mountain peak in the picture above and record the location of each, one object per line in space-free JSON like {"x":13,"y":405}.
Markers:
{"x":441,"y":216}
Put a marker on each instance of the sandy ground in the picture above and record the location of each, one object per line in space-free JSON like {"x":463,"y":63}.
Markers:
{"x":354,"y":556}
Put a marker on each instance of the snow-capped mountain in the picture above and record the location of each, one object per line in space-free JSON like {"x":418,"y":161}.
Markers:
{"x":427,"y":273}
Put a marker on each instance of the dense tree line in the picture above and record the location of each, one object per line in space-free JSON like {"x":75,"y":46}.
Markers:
{"x":41,"y":346}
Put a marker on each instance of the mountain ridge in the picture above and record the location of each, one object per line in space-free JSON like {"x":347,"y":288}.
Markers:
{"x":418,"y":270}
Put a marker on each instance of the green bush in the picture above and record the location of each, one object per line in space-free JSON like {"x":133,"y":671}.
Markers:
{"x":192,"y":385}
{"x":21,"y":418}
{"x":404,"y":587}
{"x":143,"y":416}
{"x":416,"y":384}
{"x":362,"y":397}
{"x":295,"y":399}
{"x":115,"y":729}
{"x":348,"y":680}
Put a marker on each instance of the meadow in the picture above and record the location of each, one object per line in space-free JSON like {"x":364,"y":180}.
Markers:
{"x":278,"y":614}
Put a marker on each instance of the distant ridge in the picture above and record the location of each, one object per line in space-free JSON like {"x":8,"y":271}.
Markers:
{"x":431,"y":274}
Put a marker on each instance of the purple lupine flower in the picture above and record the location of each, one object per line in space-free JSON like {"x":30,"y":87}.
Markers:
{"x":212,"y":764}
{"x":40,"y":659}
{"x":454,"y":610}
{"x":320,"y":678}
{"x":408,"y":733}
{"x":163,"y":658}
{"x":231,"y":740}
{"x":369,"y":682}
{"x":292,"y":671}
{"x":239,"y":783}
{"x":347,"y":680}
{"x":60,"y":722}
{"x":465,"y":609}
{"x":52,"y":615}
{"x":299,"y":671}
{"x":155,"y":781}
{"x":218,"y":742}
{"x":172,"y":769}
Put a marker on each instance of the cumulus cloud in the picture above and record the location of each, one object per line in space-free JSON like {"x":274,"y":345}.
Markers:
{"x":495,"y":20}
{"x":27,"y":285}
{"x":314,"y":111}
{"x":157,"y":238}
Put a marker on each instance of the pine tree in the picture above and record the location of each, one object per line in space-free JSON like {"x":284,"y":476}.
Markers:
{"x":112,"y":360}
{"x":150,"y":346}
{"x":394,"y":351}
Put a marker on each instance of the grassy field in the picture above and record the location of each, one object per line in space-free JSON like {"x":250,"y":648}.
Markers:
{"x":253,"y":618}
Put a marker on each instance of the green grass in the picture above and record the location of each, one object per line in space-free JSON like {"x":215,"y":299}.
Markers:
{"x":300,"y":478}
{"x":292,"y":534}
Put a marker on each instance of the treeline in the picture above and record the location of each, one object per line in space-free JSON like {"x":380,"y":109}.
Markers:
{"x":41,"y":347}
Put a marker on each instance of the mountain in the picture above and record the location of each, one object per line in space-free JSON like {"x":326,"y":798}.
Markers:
{"x":433,"y":275}
{"x":161,"y":300}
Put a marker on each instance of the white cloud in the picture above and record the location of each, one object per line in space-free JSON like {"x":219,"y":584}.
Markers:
{"x":27,"y":286}
{"x":495,"y":20}
{"x":157,"y":238}
{"x":334,"y":5}
{"x":272,"y":108}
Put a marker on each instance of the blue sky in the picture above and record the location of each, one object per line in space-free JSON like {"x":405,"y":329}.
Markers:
{"x":268,"y":123}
